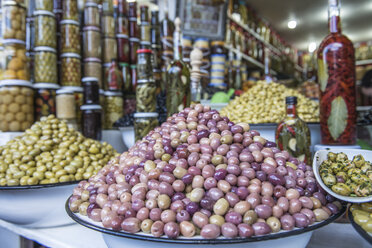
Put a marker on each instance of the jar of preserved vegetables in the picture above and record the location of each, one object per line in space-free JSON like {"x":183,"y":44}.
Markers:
{"x":133,"y":28}
{"x":114,"y":77}
{"x":70,"y":10}
{"x":92,"y":125}
{"x":14,"y":60}
{"x":145,"y":32}
{"x":145,"y":96}
{"x":66,"y":106}
{"x":45,"y":29}
{"x":108,"y":26}
{"x":127,"y":82}
{"x":144,"y":66}
{"x":144,"y":123}
{"x":107,"y":7}
{"x":91,"y":90}
{"x":93,"y":68}
{"x":122,"y":25}
{"x":45,"y":65}
{"x":70,"y":69}
{"x":70,"y":37}
{"x":123,"y":48}
{"x":114,"y":108}
{"x":92,"y":42}
{"x":133,"y":76}
{"x":91,"y":14}
{"x":133,"y":46}
{"x":46,"y":5}
{"x":45,"y":99}
{"x":132,"y":9}
{"x":13,"y":21}
{"x":16,"y":105}
{"x":109,"y":49}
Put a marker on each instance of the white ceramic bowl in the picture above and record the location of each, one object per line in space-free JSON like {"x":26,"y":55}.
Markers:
{"x":127,"y":133}
{"x":321,"y":155}
{"x":37,"y":205}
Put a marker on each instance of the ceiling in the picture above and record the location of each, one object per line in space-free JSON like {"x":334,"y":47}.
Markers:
{"x":311,"y":17}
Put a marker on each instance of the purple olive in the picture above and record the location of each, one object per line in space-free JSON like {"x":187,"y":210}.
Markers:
{"x":301,"y":220}
{"x":263,"y":211}
{"x":261,"y":228}
{"x":276,"y":179}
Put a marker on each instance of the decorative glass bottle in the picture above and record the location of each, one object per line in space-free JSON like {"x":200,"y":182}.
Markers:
{"x":196,"y":57}
{"x":293,"y":134}
{"x":336,"y":75}
{"x":178,"y":77}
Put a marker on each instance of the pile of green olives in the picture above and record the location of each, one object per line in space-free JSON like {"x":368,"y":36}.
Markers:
{"x":51,"y":152}
{"x":347,"y":177}
{"x":362,"y":214}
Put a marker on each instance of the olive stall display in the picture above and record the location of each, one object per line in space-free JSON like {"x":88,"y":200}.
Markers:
{"x":45,"y":29}
{"x":45,"y":99}
{"x":347,"y":177}
{"x":113,"y":108}
{"x":362,"y":215}
{"x":45,"y":65}
{"x":145,"y":96}
{"x":201,"y":173}
{"x":265,"y":103}
{"x":70,"y":69}
{"x":144,"y":123}
{"x":51,"y":152}
{"x":13,"y":23}
{"x":14,"y":62}
{"x":16,"y":105}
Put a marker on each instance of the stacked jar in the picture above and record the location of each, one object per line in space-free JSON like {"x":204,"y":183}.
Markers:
{"x":134,"y":41}
{"x":45,"y":99}
{"x":66,"y":107}
{"x":203,"y":45}
{"x":145,"y":28}
{"x":218,"y":61}
{"x":186,"y":48}
{"x":109,"y":45}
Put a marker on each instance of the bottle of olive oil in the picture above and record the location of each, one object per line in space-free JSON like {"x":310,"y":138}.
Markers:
{"x":196,"y":57}
{"x":293,"y":134}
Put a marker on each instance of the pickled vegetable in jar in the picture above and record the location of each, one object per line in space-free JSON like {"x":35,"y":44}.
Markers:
{"x":92,"y":125}
{"x":45,"y":29}
{"x":44,"y":5}
{"x":123,"y":48}
{"x":70,"y":10}
{"x":70,"y":37}
{"x":93,"y":68}
{"x":109,"y":49}
{"x":145,"y":96}
{"x":45,"y":99}
{"x":108,"y":26}
{"x":45,"y":65}
{"x":91,"y":90}
{"x":144,"y":123}
{"x":114,"y":77}
{"x":114,"y":108}
{"x":127,"y":82}
{"x":66,"y":105}
{"x":91,"y":15}
{"x":92,"y":42}
{"x":144,"y":66}
{"x":16,"y":105}
{"x":133,"y":76}
{"x":70,"y":69}
{"x":13,"y":25}
{"x":14,"y":60}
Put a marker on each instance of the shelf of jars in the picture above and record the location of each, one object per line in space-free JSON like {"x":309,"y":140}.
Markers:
{"x":363,"y":62}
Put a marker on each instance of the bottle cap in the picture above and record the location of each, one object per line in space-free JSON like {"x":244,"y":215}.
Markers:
{"x":291,"y":100}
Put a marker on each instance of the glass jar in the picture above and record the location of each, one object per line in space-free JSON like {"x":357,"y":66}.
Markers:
{"x":114,"y":108}
{"x":107,"y":7}
{"x":92,"y":42}
{"x":144,"y":66}
{"x":91,"y":14}
{"x":127,"y":82}
{"x":70,"y":36}
{"x":123,"y":48}
{"x":92,"y":121}
{"x":16,"y":105}
{"x":122,"y":25}
{"x":45,"y":29}
{"x":144,"y":123}
{"x":46,"y":5}
{"x":156,"y":56}
{"x":93,"y":68}
{"x":108,"y":26}
{"x":13,"y":21}
{"x":109,"y":49}
{"x":66,"y":106}
{"x":79,"y":101}
{"x":91,"y":90}
{"x":70,"y":69}
{"x":145,"y":32}
{"x":114,"y":77}
{"x":145,"y":96}
{"x":45,"y":65}
{"x":132,"y":9}
{"x":105,"y":71}
{"x":45,"y":99}
{"x":133,"y":28}
{"x":133,"y":76}
{"x":14,"y":61}
{"x":70,"y":10}
{"x":133,"y":47}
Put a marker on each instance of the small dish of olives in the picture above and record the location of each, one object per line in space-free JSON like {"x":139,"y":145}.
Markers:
{"x":346,"y":174}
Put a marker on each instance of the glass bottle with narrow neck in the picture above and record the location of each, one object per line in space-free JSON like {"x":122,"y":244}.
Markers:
{"x":336,"y":75}
{"x":196,"y":57}
{"x":293,"y":134}
{"x":178,"y":77}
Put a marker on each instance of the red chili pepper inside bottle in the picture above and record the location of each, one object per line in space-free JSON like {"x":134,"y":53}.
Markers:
{"x":114,"y":77}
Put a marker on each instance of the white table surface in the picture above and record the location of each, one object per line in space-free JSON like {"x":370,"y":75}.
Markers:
{"x":77,"y":236}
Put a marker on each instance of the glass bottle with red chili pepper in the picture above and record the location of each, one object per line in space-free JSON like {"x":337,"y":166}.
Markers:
{"x":293,"y":134}
{"x":336,"y":75}
{"x":114,"y":77}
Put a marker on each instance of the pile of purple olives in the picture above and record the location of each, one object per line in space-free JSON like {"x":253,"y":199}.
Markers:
{"x":201,"y":174}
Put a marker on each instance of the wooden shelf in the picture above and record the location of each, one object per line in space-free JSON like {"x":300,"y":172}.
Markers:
{"x":364,"y":62}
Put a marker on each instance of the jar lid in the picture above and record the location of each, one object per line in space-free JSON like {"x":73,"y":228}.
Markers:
{"x":218,"y":55}
{"x":144,"y":81}
{"x":132,"y":19}
{"x":145,"y":43}
{"x":107,"y":64}
{"x":124,"y":64}
{"x":46,"y":86}
{"x":64,"y":90}
{"x":145,"y":114}
{"x":13,"y":3}
{"x":219,"y":78}
{"x":92,"y":60}
{"x":69,"y":22}
{"x":73,"y":88}
{"x":201,"y":39}
{"x":13,"y":41}
{"x":43,"y":12}
{"x":70,"y":55}
{"x":217,"y":70}
{"x":57,"y":11}
{"x":16,"y":82}
{"x":44,"y":49}
{"x":145,"y":24}
{"x":217,"y":43}
{"x":133,"y":66}
{"x":155,"y":46}
{"x":144,"y":51}
{"x":101,"y":92}
{"x":91,"y":4}
{"x":124,"y":36}
{"x":91,"y":28}
{"x":134,"y":39}
{"x":113,"y":93}
{"x":89,"y":79}
{"x":90,"y":107}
